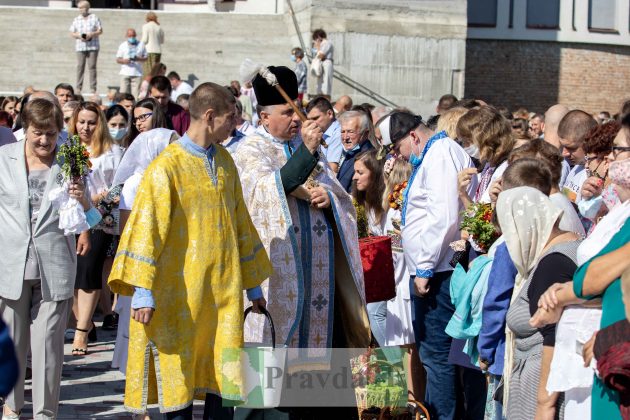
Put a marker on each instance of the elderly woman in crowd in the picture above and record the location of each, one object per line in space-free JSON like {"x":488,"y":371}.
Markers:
{"x":88,"y":122}
{"x":38,"y":269}
{"x":603,"y":257}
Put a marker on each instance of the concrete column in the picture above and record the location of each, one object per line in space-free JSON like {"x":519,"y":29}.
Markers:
{"x":212,"y":5}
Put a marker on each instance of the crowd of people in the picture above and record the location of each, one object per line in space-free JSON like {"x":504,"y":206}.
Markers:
{"x":509,"y":233}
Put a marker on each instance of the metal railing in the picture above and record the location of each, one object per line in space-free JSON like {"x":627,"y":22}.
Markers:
{"x":336,"y":73}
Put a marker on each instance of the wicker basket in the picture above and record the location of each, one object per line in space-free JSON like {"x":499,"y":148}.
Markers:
{"x":392,"y":408}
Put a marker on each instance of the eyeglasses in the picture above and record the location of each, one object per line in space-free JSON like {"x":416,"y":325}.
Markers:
{"x":594,"y":172}
{"x":142,"y":118}
{"x":616,"y":150}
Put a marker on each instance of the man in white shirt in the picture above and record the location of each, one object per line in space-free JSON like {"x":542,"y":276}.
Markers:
{"x":130,"y":55}
{"x":430,"y":222}
{"x":321,"y":111}
{"x":572,"y":130}
{"x":178,"y":85}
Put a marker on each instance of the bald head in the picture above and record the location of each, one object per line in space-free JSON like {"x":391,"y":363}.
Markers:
{"x":343,"y":104}
{"x":553,"y":116}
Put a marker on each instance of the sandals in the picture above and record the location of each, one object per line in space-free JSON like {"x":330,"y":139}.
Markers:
{"x":91,"y":337}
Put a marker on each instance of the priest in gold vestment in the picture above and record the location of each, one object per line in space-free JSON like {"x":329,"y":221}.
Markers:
{"x":187,"y":252}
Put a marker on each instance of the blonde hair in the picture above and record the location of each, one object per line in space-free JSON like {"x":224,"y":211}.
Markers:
{"x":401,"y":171}
{"x":84,"y":3}
{"x":448,"y":121}
{"x":101,"y":139}
{"x":152,"y":17}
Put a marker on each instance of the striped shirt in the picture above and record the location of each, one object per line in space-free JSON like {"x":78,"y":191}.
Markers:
{"x":83,"y":26}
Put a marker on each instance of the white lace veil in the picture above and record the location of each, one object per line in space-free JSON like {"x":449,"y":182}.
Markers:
{"x":146,"y":147}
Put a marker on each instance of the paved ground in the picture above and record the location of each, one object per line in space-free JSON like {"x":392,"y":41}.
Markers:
{"x":90,"y":388}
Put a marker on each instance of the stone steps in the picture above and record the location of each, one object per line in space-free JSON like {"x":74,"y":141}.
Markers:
{"x":37,"y":48}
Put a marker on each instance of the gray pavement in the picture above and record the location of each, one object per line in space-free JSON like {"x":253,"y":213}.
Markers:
{"x":90,"y":388}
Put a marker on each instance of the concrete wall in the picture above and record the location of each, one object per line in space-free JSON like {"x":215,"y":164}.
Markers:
{"x":573,"y":26}
{"x":537,"y":75}
{"x":411,"y":52}
{"x":200,"y":47}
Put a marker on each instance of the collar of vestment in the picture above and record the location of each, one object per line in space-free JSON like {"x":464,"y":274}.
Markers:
{"x":194,"y":149}
{"x":262,"y":131}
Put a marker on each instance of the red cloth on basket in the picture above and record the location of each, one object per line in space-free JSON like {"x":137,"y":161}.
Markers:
{"x":378,"y":268}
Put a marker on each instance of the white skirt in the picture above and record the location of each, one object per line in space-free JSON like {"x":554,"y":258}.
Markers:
{"x":398,"y":328}
{"x":567,"y":373}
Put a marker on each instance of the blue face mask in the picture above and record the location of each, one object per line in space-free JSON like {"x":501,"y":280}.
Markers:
{"x":414,"y":159}
{"x":132,"y":40}
{"x":117,"y":133}
{"x":590,"y":208}
{"x":293,"y":58}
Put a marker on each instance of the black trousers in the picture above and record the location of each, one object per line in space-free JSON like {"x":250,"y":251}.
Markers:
{"x":212,"y":410}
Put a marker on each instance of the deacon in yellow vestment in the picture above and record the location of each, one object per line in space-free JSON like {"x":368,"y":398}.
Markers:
{"x":190,"y":241}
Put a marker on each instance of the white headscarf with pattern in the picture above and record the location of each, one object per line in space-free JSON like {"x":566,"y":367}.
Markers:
{"x":527,"y":218}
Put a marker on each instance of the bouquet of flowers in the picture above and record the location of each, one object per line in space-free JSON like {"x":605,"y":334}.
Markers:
{"x":477,"y":221}
{"x":396,"y":196}
{"x":76,"y":159}
{"x":75,"y":164}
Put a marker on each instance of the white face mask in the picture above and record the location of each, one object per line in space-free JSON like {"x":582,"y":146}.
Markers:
{"x":472,"y":151}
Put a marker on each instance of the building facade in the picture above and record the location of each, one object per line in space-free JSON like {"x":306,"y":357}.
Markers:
{"x":536,"y":53}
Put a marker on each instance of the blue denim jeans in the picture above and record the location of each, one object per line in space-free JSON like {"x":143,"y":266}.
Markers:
{"x":377,"y":313}
{"x":430,"y":315}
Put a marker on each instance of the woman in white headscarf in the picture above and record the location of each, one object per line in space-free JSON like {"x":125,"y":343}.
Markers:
{"x":145,"y":148}
{"x":543,"y":254}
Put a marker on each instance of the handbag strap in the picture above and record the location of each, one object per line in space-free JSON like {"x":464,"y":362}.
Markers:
{"x":267,"y":315}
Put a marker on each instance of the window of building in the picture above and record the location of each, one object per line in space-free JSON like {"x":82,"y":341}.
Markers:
{"x":482,"y":13}
{"x":543,"y":14}
{"x":602,"y":15}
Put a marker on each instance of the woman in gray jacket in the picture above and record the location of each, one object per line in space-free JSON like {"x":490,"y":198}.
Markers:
{"x":38,"y":262}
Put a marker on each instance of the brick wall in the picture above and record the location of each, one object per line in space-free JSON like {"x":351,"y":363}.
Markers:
{"x":537,"y":75}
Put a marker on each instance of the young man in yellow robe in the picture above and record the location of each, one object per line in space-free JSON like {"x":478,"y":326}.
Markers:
{"x":188,"y":251}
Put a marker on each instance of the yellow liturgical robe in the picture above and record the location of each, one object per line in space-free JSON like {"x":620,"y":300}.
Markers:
{"x":189,"y":240}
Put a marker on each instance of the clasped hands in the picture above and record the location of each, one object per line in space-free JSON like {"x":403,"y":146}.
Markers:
{"x":549,"y":312}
